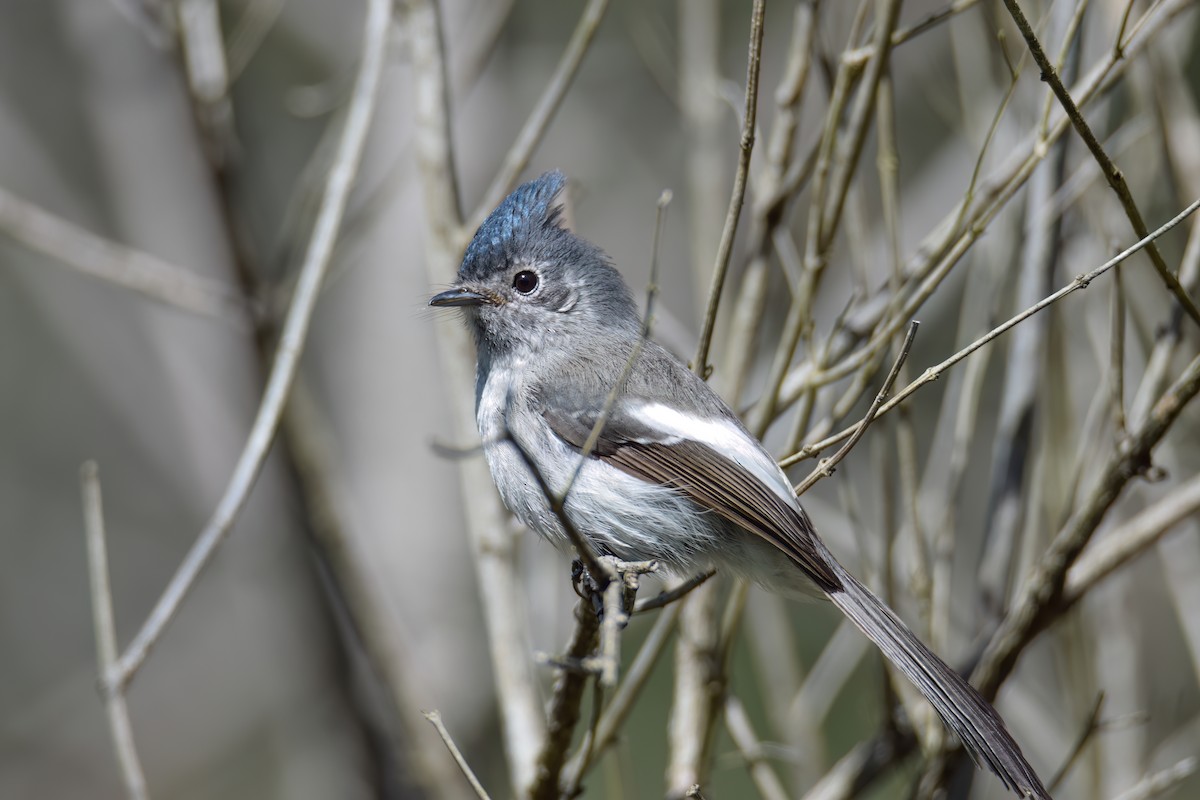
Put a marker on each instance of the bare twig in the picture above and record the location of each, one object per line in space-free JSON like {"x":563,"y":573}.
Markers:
{"x":1116,"y":378}
{"x":935,"y":372}
{"x":1161,"y":782}
{"x":291,"y":343}
{"x":539,"y":119}
{"x":826,"y":467}
{"x":435,"y":717}
{"x":857,"y":769}
{"x":208,"y":76}
{"x":899,"y":37}
{"x":776,"y":184}
{"x":1090,"y":726}
{"x":745,"y":148}
{"x":1130,"y":539}
{"x":1038,"y":601}
{"x":1111,"y":173}
{"x":957,"y":232}
{"x":663,"y":599}
{"x":80,"y":249}
{"x":106,"y":636}
{"x":1025,"y":361}
{"x":618,"y":709}
{"x":737,"y":721}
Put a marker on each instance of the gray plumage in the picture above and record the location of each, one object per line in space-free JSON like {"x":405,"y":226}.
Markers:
{"x":674,"y":475}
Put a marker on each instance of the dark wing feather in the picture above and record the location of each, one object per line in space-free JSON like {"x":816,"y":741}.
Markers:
{"x":703,"y":475}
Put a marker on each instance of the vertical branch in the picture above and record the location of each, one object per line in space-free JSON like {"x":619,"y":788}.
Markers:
{"x":745,"y":149}
{"x":487,"y":521}
{"x":779,"y":181}
{"x":697,"y":663}
{"x":1025,"y":364}
{"x":106,"y":635}
{"x":291,"y":343}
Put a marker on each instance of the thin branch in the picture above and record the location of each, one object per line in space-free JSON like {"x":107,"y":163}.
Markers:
{"x":745,"y":148}
{"x":291,"y":342}
{"x":1130,"y":539}
{"x":539,"y":119}
{"x":1090,"y":727}
{"x":861,"y":766}
{"x":106,"y":635}
{"x":1113,"y":175}
{"x":933,"y":19}
{"x":1116,"y":377}
{"x":435,"y":717}
{"x":774,"y":186}
{"x":207,"y":75}
{"x":563,"y":713}
{"x":663,"y":599}
{"x":957,"y":232}
{"x":1038,"y":601}
{"x":1161,"y":782}
{"x":935,"y":372}
{"x":599,"y":571}
{"x":618,"y":709}
{"x":93,"y":255}
{"x":826,"y":467}
{"x":737,"y":721}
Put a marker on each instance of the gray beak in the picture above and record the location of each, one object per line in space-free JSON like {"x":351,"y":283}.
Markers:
{"x":459,"y":296}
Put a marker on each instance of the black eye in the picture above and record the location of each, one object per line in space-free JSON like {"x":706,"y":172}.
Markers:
{"x":525,"y":281}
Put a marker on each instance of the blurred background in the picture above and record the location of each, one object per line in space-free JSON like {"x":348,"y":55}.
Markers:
{"x":352,"y":550}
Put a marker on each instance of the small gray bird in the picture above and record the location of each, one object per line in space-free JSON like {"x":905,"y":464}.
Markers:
{"x":674,"y":476}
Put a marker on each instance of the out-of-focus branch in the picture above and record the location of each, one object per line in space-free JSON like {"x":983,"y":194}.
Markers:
{"x":1161,"y":782}
{"x":836,"y":166}
{"x":291,"y":344}
{"x":80,"y":249}
{"x":1130,"y":539}
{"x":1039,"y":599}
{"x":861,"y":766}
{"x":435,"y":719}
{"x":208,"y":76}
{"x":737,"y":721}
{"x":1025,"y":363}
{"x":487,"y":522}
{"x":1113,"y":175}
{"x":539,"y":119}
{"x":106,"y":636}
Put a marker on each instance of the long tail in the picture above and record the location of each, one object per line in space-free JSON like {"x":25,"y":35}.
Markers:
{"x":966,"y":713}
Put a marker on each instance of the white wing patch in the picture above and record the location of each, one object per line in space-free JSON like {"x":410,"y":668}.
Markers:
{"x":722,"y":436}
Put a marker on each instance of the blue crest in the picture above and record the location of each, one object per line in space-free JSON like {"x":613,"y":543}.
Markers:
{"x":526,"y":215}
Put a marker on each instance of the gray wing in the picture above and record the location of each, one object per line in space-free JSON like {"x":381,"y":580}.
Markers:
{"x":719,"y":483}
{"x":701,"y":473}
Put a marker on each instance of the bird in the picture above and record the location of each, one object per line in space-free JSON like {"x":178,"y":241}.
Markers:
{"x":673,"y":476}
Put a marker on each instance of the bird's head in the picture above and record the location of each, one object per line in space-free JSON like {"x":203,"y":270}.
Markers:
{"x":527,"y":283}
